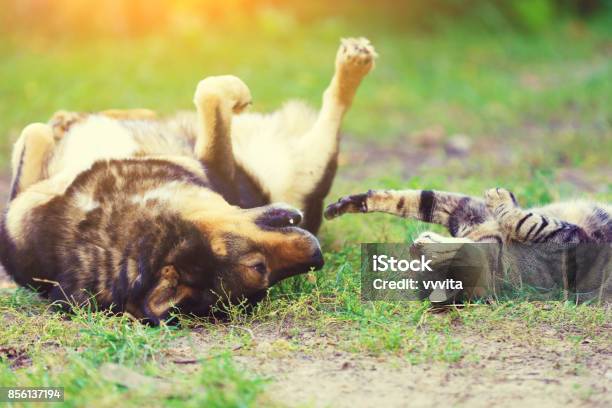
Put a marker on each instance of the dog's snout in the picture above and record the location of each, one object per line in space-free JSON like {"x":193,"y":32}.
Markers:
{"x":316,"y":260}
{"x":279,"y":217}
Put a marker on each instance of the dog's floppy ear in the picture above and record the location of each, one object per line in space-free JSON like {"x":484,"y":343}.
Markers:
{"x":165,"y":293}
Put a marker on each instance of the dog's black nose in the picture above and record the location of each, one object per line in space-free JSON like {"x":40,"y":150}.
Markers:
{"x":279,"y":217}
{"x":317,"y":260}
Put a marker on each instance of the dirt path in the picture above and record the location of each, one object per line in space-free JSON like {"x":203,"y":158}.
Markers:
{"x":416,"y":155}
{"x":540,"y":369}
{"x":508,"y":375}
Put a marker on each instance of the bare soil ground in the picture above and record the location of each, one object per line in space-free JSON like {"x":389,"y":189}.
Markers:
{"x":433,"y":149}
{"x":536,"y":367}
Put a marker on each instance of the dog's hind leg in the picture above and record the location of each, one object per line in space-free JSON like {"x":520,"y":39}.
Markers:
{"x":355,"y":58}
{"x":30,"y":154}
{"x":216,"y":99}
{"x":62,"y":120}
{"x":318,"y":148}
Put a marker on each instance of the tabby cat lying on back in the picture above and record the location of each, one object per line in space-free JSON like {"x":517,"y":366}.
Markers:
{"x":498,"y":219}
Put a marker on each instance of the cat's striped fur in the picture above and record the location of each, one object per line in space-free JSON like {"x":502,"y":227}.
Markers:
{"x":141,"y":214}
{"x":498,"y":219}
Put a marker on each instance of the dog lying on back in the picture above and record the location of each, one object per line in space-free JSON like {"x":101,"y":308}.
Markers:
{"x":145,"y":215}
{"x":558,"y":227}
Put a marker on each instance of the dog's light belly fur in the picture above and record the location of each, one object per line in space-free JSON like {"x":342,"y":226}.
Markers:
{"x":268,"y":146}
{"x":95,"y":139}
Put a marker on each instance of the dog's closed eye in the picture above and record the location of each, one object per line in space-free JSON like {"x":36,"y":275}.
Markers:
{"x":260,"y":268}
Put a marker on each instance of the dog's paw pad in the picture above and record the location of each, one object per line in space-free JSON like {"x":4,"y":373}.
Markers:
{"x":226,"y":87}
{"x":356,"y":55}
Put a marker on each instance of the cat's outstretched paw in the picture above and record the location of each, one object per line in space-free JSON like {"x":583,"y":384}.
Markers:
{"x":348,"y":204}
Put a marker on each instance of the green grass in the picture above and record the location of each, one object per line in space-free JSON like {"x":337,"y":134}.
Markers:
{"x":535,"y":107}
{"x":71,"y":351}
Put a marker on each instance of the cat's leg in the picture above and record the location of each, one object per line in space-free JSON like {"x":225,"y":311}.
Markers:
{"x":530,"y":226}
{"x":450,"y":245}
{"x":29,"y":156}
{"x":461,"y":259}
{"x":438,"y":247}
{"x":459,"y":213}
{"x":217,"y":99}
{"x":424,"y":205}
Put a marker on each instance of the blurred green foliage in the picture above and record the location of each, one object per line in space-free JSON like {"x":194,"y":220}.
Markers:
{"x":137,"y":17}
